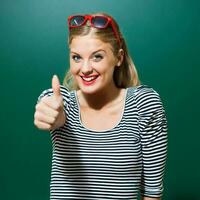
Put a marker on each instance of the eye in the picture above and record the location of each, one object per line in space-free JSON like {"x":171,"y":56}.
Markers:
{"x":97,"y":57}
{"x":76,"y":58}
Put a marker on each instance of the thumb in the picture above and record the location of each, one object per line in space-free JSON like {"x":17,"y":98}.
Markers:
{"x":56,"y":86}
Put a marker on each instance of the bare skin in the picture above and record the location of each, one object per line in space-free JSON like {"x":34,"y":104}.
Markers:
{"x":49,"y":112}
{"x":105,"y":117}
{"x":148,"y":198}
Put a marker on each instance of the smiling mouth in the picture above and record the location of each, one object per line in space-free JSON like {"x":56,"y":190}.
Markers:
{"x":89,"y":78}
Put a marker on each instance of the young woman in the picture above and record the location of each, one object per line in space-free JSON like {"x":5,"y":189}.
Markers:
{"x":109,"y":133}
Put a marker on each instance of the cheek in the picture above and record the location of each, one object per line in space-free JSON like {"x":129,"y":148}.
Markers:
{"x":101,"y":67}
{"x":74,"y":73}
{"x":106,"y":67}
{"x":74,"y":68}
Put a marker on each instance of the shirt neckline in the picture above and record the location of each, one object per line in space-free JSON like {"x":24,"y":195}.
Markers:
{"x":104,"y":130}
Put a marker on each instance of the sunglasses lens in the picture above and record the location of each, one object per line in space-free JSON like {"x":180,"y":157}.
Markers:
{"x":99,"y":22}
{"x":77,"y":20}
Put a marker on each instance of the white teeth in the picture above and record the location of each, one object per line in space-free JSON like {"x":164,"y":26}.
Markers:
{"x":89,"y":78}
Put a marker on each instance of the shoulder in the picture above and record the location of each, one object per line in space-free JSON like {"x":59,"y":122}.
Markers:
{"x":48,"y":92}
{"x":143,"y":91}
{"x":145,"y":97}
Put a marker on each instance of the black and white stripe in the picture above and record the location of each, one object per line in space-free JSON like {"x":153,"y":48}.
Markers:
{"x":111,"y":164}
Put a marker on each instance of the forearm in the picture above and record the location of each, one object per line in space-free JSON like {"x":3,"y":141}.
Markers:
{"x":148,"y":198}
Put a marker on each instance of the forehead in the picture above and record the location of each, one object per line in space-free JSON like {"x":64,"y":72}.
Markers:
{"x":88,"y":43}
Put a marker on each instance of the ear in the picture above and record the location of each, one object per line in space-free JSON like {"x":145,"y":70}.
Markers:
{"x":120,"y":57}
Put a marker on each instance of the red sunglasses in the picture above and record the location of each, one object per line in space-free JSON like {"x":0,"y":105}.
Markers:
{"x":96,"y":21}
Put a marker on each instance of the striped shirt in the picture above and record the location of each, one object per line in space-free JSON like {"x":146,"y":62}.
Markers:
{"x":115,"y":164}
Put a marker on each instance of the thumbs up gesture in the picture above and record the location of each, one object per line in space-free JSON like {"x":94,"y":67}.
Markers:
{"x":49,"y":111}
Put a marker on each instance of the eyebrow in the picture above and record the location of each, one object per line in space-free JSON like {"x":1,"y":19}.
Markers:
{"x":92,"y":52}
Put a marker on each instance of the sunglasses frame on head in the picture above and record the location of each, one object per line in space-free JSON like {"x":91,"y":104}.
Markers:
{"x":92,"y":18}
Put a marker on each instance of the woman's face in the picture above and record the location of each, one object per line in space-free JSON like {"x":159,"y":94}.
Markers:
{"x":92,"y":64}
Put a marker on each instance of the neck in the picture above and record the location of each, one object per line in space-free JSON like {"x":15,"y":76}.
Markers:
{"x":100,"y":99}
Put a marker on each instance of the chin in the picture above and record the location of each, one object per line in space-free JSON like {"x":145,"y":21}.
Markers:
{"x":89,"y":90}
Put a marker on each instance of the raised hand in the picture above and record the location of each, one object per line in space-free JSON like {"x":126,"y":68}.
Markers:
{"x":49,"y":111}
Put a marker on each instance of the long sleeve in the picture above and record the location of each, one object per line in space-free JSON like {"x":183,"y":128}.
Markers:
{"x":153,"y":133}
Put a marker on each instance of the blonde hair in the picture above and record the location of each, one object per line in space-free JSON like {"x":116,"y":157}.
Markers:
{"x":126,"y":74}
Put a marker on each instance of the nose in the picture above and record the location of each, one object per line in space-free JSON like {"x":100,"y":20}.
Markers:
{"x":86,"y":68}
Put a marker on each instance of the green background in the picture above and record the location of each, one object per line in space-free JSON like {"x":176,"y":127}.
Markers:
{"x":164,"y":39}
